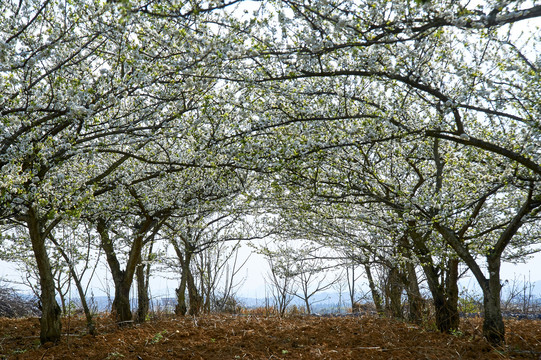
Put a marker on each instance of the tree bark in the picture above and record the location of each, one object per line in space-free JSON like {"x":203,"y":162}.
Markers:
{"x":143,"y":280}
{"x":376,"y":296}
{"x":193,"y":295}
{"x":307,"y":304}
{"x":50,"y":325}
{"x":184,"y":259}
{"x":351,"y":285}
{"x":123,"y":279}
{"x":121,"y":303}
{"x":186,"y":282}
{"x":394,"y":293}
{"x":90,"y":326}
{"x":415,"y":300}
{"x":143,"y":300}
{"x":181,"y":308}
{"x":444,"y":297}
{"x":415,"y":314}
{"x":444,"y":294}
{"x":451,"y":290}
{"x":493,"y":326}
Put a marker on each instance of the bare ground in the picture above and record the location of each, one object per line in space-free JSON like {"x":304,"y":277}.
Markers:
{"x":260,"y":337}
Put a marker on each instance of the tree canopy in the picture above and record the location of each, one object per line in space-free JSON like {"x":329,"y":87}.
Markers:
{"x":358,"y":125}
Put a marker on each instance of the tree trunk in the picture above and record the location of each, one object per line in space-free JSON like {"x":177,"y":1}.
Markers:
{"x":50,"y":310}
{"x":351,"y":285}
{"x":143,"y":301}
{"x":307,"y":304}
{"x":62,"y":296}
{"x":444,"y":295}
{"x":206,"y":288}
{"x":143,"y":280}
{"x":394,"y":293}
{"x":121,"y":303}
{"x":181,"y":307}
{"x":451,"y":290}
{"x":90,"y":326}
{"x":493,"y":326}
{"x":445,"y":303}
{"x":186,"y":281}
{"x":376,"y":296}
{"x":415,"y":299}
{"x":123,"y":279}
{"x":193,"y":296}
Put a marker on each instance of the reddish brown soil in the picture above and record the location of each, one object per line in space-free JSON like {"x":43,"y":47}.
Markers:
{"x":259,"y":337}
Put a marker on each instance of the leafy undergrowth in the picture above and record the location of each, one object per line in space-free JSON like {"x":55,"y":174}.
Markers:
{"x":259,"y":337}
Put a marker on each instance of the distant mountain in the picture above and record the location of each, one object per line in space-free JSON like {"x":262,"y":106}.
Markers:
{"x":321,"y":303}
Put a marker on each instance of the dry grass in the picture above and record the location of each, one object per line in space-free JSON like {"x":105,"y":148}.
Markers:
{"x":268,"y":337}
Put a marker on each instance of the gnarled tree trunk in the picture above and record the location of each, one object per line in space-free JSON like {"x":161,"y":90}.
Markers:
{"x":493,"y":326}
{"x":444,"y":296}
{"x":444,"y":293}
{"x":123,"y":279}
{"x":121,"y":303}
